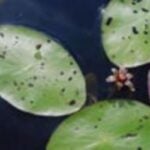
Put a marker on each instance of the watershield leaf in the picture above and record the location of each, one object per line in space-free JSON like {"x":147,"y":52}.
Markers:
{"x":126,"y":32}
{"x":37,"y":75}
{"x":108,"y":125}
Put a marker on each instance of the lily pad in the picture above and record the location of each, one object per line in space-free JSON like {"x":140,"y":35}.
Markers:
{"x":37,"y":75}
{"x":108,"y":125}
{"x":126,"y":32}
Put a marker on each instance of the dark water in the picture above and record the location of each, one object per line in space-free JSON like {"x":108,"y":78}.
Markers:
{"x":75,"y":23}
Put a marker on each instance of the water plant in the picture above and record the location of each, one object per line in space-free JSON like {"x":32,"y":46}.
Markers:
{"x":109,"y":125}
{"x":38,"y":75}
{"x":121,"y":78}
{"x":125,"y":32}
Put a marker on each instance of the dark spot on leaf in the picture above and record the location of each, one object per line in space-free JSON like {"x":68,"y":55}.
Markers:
{"x":23,"y":98}
{"x":48,"y":41}
{"x":129,"y":135}
{"x":139,"y":148}
{"x":100,"y":106}
{"x":16,"y":37}
{"x":31,"y":102}
{"x":15,"y":43}
{"x":1,"y":34}
{"x":2,"y":56}
{"x":70,"y":79}
{"x":145,"y":32}
{"x":38,"y":46}
{"x":129,"y":37}
{"x":71,"y":63}
{"x":140,"y":120}
{"x":42,"y":64}
{"x":146,"y":26}
{"x":72,"y":102}
{"x":95,"y":126}
{"x":74,"y":72}
{"x":135,"y":11}
{"x":77,"y":128}
{"x":146,"y":117}
{"x":4,"y":52}
{"x":138,"y":1}
{"x":122,"y":1}
{"x":99,"y":119}
{"x":132,"y":51}
{"x":63,"y":90}
{"x":134,"y":30}
{"x":61,"y":73}
{"x":113,"y":56}
{"x":35,"y":77}
{"x":133,"y":3}
{"x":38,"y":55}
{"x":139,"y":127}
{"x":109,"y":21}
{"x":31,"y":85}
{"x":145,"y":10}
{"x":77,"y":92}
{"x":15,"y":83}
{"x":123,"y":38}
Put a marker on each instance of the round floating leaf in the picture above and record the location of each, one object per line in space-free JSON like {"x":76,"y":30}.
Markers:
{"x":126,"y":32}
{"x":108,"y":125}
{"x":37,"y":75}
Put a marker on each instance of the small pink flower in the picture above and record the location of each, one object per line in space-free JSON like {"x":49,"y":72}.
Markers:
{"x":121,"y":77}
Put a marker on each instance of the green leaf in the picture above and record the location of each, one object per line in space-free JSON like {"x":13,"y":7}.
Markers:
{"x":126,"y":32}
{"x":108,"y":125}
{"x":38,"y":75}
